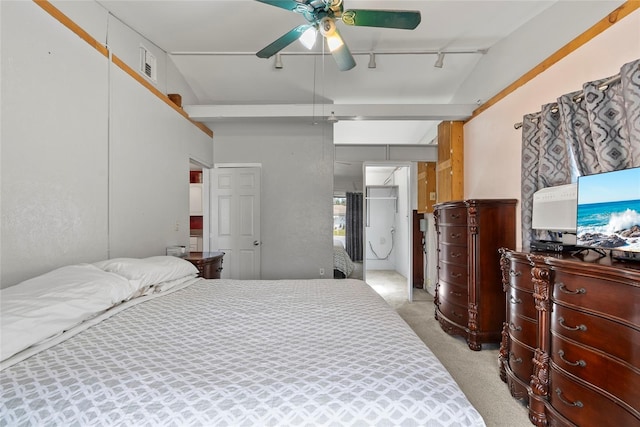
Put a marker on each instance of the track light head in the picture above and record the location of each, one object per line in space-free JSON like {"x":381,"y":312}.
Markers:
{"x":278,"y":62}
{"x":439,"y":61}
{"x":372,"y":60}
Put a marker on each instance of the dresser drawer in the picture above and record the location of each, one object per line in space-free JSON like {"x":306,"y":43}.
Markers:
{"x":521,"y":303}
{"x":453,"y":234}
{"x":598,"y":295}
{"x":453,"y":253}
{"x":611,"y":337}
{"x":453,"y":293}
{"x":453,"y":273}
{"x":454,"y":312}
{"x":455,"y":216}
{"x":585,"y":406}
{"x":523,"y":330}
{"x":520,"y":274}
{"x":521,"y":361}
{"x":597,"y":368}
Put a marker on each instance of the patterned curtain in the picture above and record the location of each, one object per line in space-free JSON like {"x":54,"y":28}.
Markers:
{"x":529,"y":177}
{"x":591,"y":131}
{"x":354,"y":218}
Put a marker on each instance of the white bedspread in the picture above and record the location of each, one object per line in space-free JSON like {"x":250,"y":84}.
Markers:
{"x":240,"y":353}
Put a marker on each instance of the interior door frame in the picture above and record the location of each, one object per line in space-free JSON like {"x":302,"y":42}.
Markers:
{"x":409,"y":219}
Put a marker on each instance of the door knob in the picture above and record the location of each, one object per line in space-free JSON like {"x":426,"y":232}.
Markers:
{"x":256,"y":243}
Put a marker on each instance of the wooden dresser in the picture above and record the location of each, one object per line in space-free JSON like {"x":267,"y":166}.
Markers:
{"x":209,"y":264}
{"x":469,"y":298}
{"x":571,"y":340}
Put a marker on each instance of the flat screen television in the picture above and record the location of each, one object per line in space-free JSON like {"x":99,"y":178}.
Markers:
{"x":608,"y":212}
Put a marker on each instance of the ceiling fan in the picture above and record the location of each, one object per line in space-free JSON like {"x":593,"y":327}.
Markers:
{"x":321,"y":16}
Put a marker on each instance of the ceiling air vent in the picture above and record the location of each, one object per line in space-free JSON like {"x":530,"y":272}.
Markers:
{"x":148,"y":64}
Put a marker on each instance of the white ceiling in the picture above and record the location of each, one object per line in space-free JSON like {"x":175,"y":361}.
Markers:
{"x":213,"y":43}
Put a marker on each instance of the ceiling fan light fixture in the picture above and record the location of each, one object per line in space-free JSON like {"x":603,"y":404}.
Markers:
{"x":308,"y":38}
{"x":439,"y":61}
{"x":278,"y":62}
{"x":334,"y":42}
{"x":372,"y":60}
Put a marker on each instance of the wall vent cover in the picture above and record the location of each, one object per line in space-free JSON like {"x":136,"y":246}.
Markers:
{"x":148,"y":64}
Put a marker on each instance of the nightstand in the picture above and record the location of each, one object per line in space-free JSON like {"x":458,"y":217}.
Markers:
{"x":209,"y":264}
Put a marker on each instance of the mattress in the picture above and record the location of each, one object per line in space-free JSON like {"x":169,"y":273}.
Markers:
{"x":239,"y":353}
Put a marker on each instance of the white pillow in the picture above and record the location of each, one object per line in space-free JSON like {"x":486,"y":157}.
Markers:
{"x":47,"y":305}
{"x":169,"y":284}
{"x":149,"y":271}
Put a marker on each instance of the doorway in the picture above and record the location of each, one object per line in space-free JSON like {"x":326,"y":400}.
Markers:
{"x":388,"y":221}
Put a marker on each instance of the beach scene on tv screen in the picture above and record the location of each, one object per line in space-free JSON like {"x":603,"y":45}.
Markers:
{"x":608,"y":214}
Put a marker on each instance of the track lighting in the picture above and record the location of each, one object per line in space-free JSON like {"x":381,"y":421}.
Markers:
{"x":439,"y":61}
{"x":332,"y":118}
{"x":372,"y":60}
{"x":278,"y":63}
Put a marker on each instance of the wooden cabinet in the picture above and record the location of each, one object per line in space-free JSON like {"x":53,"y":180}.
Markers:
{"x":209,"y":264}
{"x":426,"y":187}
{"x":450,"y":165}
{"x":469,"y":297}
{"x":585,"y":364}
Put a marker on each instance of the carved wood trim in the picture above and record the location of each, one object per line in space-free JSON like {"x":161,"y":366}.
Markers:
{"x":504,"y":268}
{"x":540,"y":377}
{"x":540,"y":278}
{"x":473,"y":316}
{"x":503,"y":354}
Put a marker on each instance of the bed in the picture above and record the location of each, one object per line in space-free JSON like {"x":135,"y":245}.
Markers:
{"x":171,"y":350}
{"x":343,"y":266}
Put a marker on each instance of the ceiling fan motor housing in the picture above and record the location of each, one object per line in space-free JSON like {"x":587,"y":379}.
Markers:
{"x":327,"y":26}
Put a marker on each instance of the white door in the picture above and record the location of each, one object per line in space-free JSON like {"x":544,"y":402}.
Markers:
{"x":235,"y":220}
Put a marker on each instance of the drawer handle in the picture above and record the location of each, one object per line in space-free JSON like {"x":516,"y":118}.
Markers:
{"x":514,"y":273}
{"x":577,"y":403}
{"x":564,"y":289}
{"x":456,"y":314}
{"x":456,"y":255}
{"x":513,"y":300}
{"x":571,"y":328}
{"x":455,"y":235}
{"x":513,"y":327}
{"x":455,"y":216}
{"x":456,"y":275}
{"x":580,"y":363}
{"x":458,"y":294}
{"x":219,"y":269}
{"x":513,"y":358}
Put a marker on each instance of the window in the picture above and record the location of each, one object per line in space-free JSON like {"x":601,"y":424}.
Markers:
{"x":339,"y":211}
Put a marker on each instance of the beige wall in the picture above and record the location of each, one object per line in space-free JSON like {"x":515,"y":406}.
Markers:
{"x":492,"y":145}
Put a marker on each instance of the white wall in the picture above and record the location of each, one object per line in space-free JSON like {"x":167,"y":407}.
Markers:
{"x":492,"y":147}
{"x":93,"y":165}
{"x":297,"y":191}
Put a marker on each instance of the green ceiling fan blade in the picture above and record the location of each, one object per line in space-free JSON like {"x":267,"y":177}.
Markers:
{"x":404,"y":20}
{"x":342,"y":55}
{"x":283,"y":41}
{"x":283,"y":4}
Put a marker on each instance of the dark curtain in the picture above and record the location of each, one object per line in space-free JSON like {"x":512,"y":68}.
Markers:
{"x":354,"y":219}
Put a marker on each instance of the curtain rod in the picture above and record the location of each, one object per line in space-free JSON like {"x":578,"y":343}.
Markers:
{"x":577,"y":98}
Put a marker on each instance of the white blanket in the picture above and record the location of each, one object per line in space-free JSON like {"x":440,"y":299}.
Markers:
{"x":254,"y":353}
